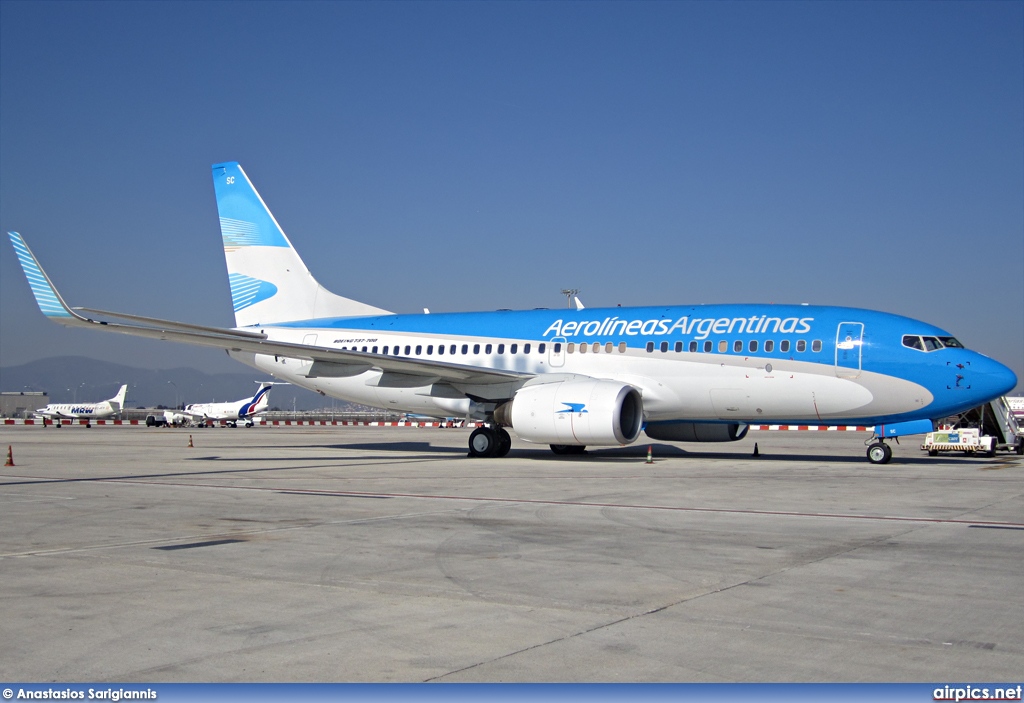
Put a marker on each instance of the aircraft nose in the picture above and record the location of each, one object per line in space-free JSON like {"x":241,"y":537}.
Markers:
{"x":997,"y":379}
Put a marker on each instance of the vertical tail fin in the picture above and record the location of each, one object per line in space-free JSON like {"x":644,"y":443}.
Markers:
{"x":269,"y":282}
{"x":259,"y":402}
{"x":119,"y":398}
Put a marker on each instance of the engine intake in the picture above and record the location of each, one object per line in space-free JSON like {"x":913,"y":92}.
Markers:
{"x":585,"y":412}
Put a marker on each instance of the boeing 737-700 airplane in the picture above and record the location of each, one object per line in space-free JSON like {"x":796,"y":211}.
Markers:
{"x":568,"y":378}
{"x":239,"y":411}
{"x":85,"y":411}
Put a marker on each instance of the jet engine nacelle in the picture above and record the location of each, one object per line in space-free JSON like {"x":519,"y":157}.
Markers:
{"x":580,"y":412}
{"x":697,"y":431}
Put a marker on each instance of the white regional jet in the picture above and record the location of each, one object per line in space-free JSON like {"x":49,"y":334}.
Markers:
{"x":568,"y":378}
{"x":85,"y":411}
{"x":243,"y":410}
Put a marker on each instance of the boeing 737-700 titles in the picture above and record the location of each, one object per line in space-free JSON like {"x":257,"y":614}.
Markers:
{"x":568,"y":378}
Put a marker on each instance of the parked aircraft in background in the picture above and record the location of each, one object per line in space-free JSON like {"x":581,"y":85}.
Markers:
{"x":243,"y":410}
{"x":85,"y":411}
{"x":568,"y":378}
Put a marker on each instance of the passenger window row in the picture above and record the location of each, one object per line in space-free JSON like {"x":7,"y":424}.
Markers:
{"x":737,"y":346}
{"x":450,"y":350}
{"x":595,"y":347}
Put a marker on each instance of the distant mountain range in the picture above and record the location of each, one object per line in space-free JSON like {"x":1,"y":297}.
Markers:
{"x":76,"y":378}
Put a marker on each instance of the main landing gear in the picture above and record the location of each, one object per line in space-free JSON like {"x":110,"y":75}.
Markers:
{"x":879,"y":453}
{"x":489,"y":442}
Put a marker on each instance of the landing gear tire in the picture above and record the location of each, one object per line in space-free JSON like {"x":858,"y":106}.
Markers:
{"x":563,"y":449}
{"x":484,"y":443}
{"x":504,"y":442}
{"x":879,"y":453}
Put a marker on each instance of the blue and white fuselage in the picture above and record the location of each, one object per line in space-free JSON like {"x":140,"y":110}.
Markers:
{"x":567,"y":378}
{"x":746,"y":363}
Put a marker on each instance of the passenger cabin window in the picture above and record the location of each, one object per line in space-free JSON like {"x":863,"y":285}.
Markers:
{"x":650,"y":347}
{"x":557,"y":350}
{"x":407,"y":350}
{"x":542,"y":346}
{"x":526,"y":348}
{"x":476,"y":348}
{"x":465,"y":349}
{"x":664,"y":347}
{"x":385,"y":351}
{"x":364,"y":348}
{"x":583,"y":348}
{"x":608,"y":348}
{"x":622,"y":347}
{"x":801,"y":345}
{"x":440,"y":349}
{"x":513,"y":349}
{"x":752,"y":347}
{"x":679,"y":346}
{"x":430,"y":349}
{"x":419,"y":349}
{"x":501,"y":348}
{"x":816,"y":345}
{"x":693,"y":346}
{"x":570,"y":347}
{"x":487,"y":348}
{"x":784,"y":346}
{"x":769,"y":345}
{"x":596,"y":348}
{"x":375,"y":350}
{"x":723,"y":347}
{"x":708,"y":345}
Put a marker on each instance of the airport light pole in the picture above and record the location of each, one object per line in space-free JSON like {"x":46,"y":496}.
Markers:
{"x":175,"y":394}
{"x":569,"y":293}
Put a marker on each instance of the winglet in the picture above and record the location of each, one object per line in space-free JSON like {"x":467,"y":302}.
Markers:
{"x":49,"y":300}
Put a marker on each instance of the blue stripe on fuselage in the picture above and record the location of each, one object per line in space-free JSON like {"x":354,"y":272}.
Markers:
{"x":881,"y":349}
{"x":637,"y":326}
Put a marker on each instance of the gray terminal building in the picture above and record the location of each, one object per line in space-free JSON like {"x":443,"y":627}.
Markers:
{"x":22,"y":404}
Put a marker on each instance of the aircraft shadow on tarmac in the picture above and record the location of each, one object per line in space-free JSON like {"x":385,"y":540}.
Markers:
{"x":636,"y":452}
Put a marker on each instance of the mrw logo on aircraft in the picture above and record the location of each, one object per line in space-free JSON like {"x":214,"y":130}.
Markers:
{"x":574,"y":408}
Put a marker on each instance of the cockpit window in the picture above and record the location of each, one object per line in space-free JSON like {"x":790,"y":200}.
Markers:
{"x":913,"y":341}
{"x":930,"y":344}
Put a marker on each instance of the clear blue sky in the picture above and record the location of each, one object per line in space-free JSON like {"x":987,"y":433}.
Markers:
{"x":473,"y":156}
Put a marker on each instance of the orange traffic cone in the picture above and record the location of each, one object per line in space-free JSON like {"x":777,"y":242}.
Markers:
{"x":10,"y":457}
{"x":650,"y":449}
{"x":190,"y":441}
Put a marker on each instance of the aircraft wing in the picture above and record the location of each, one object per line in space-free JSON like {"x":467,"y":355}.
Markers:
{"x":328,"y":361}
